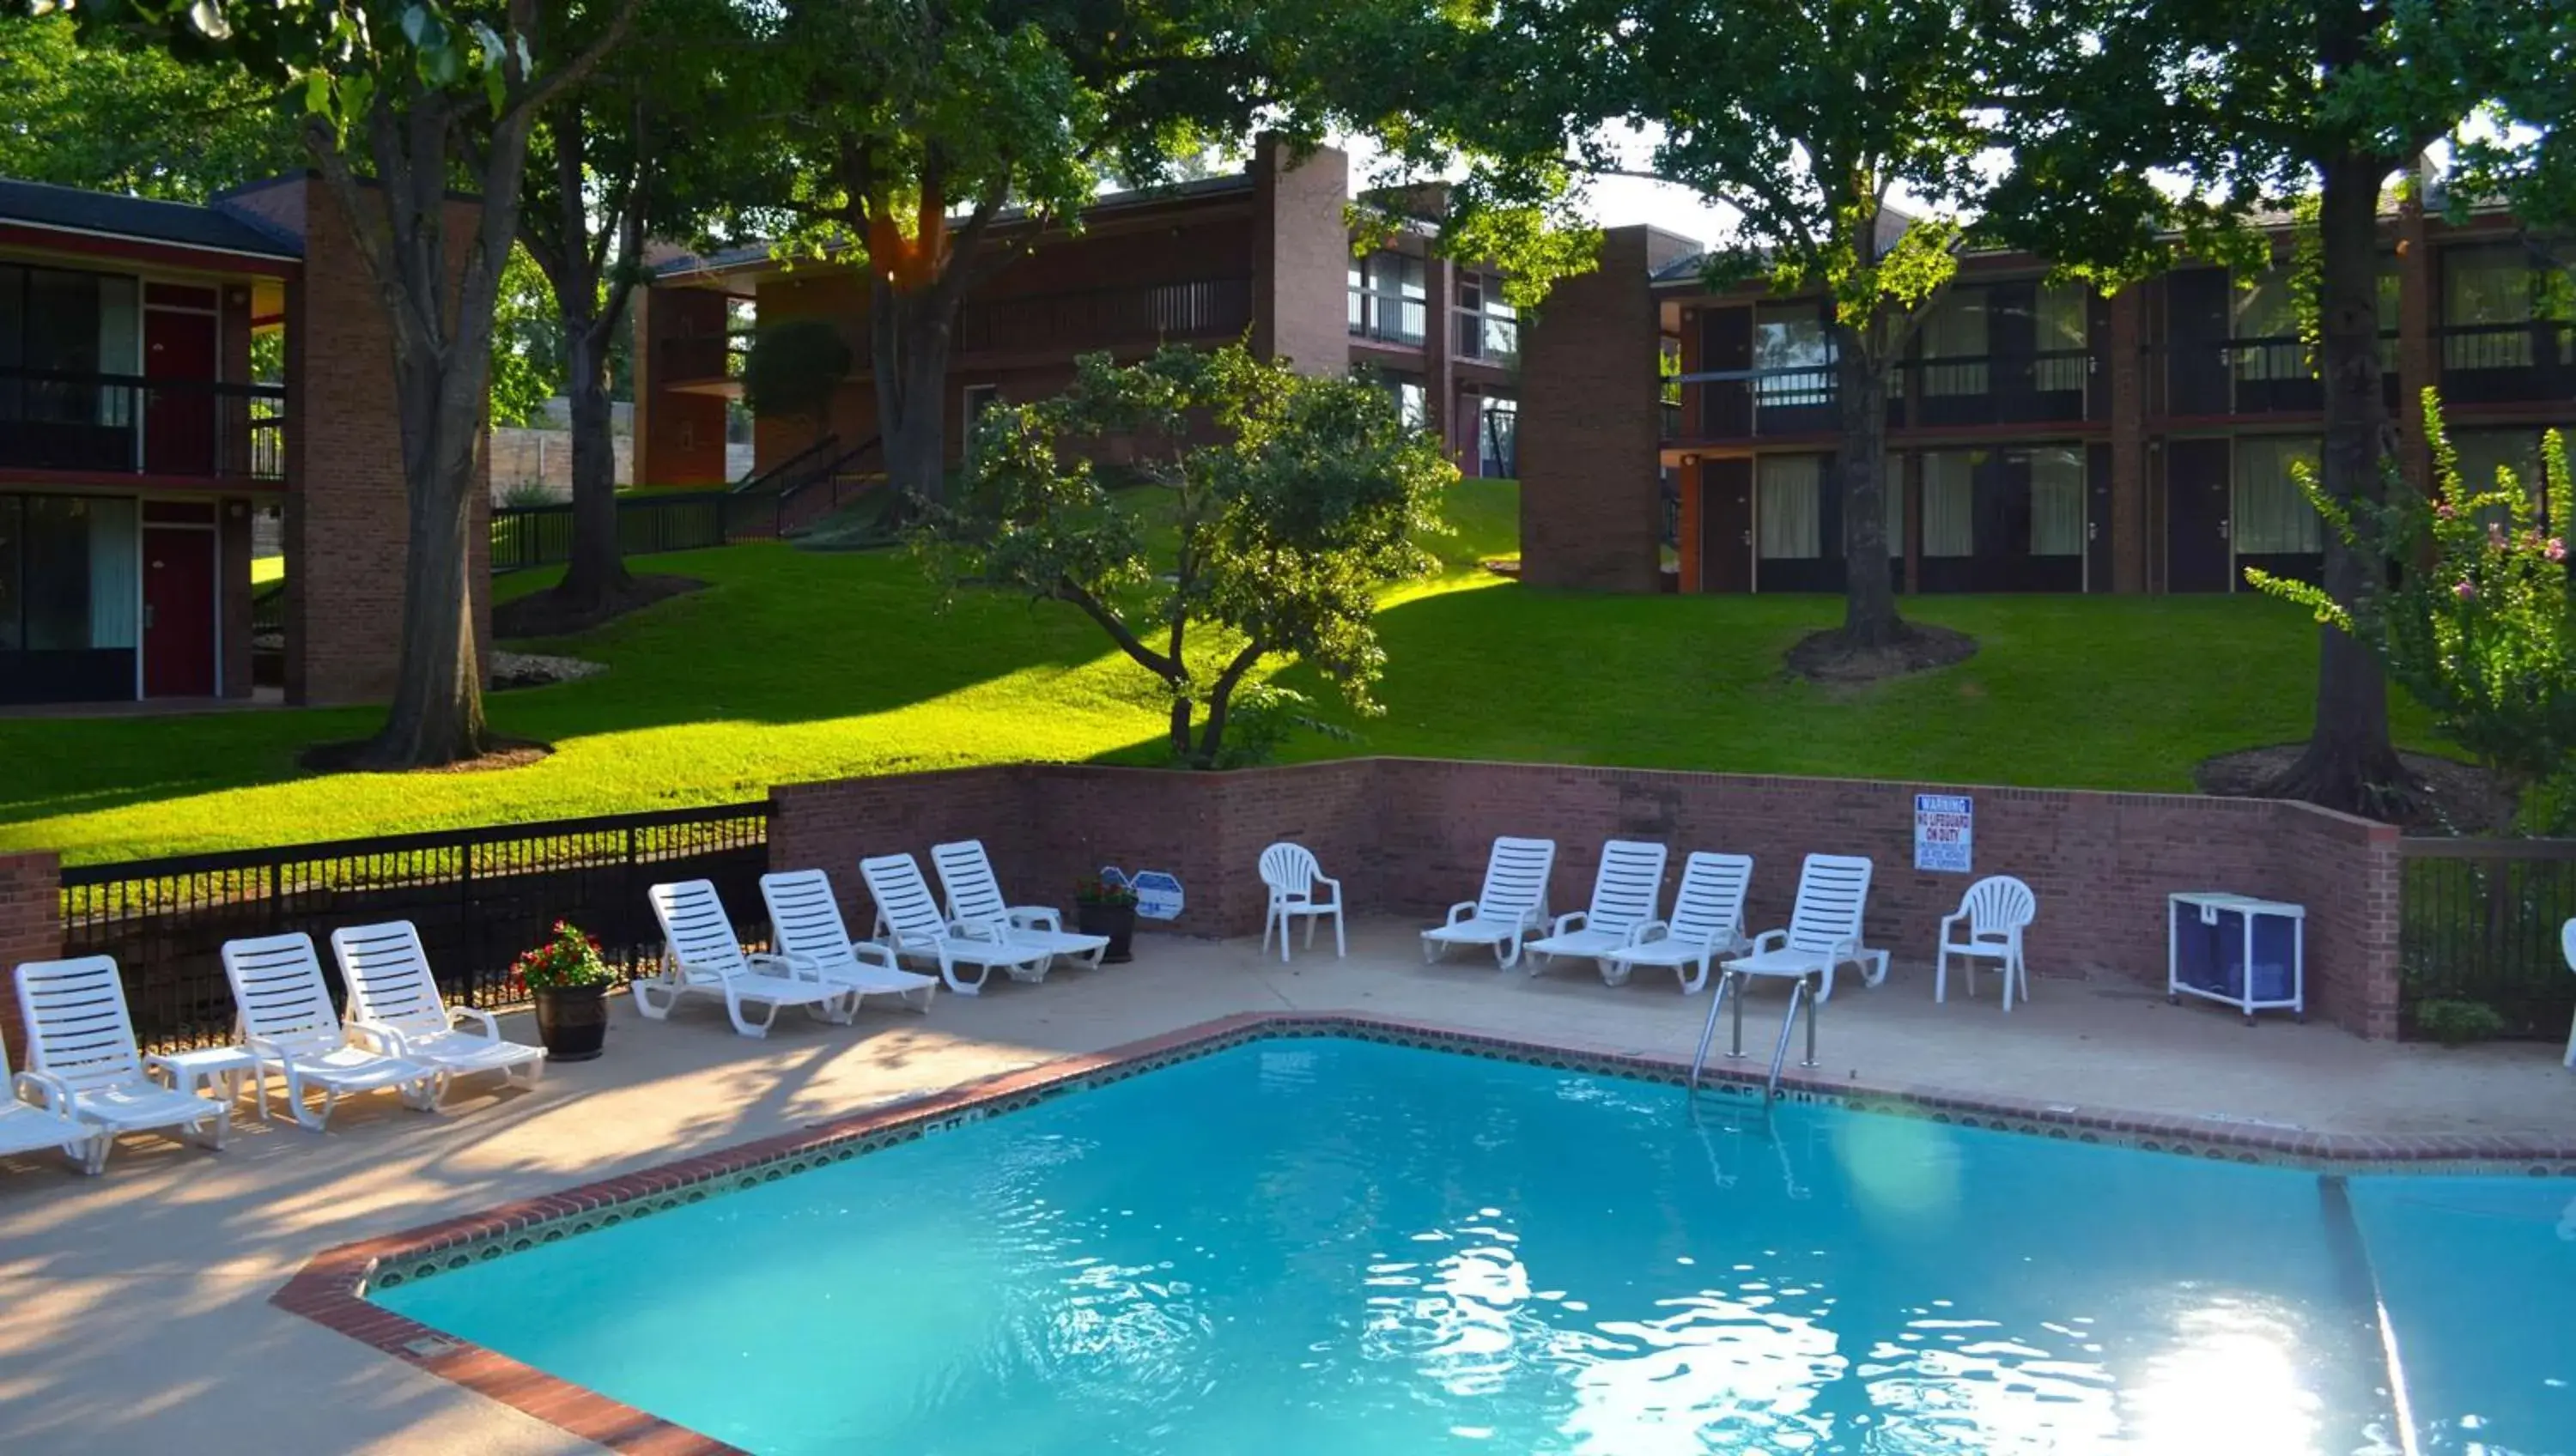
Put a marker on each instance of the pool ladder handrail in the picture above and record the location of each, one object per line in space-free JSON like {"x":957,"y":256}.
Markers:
{"x":1800,"y":999}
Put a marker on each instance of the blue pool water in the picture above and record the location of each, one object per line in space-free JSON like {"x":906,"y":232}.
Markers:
{"x":1333,"y":1246}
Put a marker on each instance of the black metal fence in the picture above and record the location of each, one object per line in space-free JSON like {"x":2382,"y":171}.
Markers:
{"x":2480,"y":922}
{"x":480,"y":896}
{"x":525,"y":536}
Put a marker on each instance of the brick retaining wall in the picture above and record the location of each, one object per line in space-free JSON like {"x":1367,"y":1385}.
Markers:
{"x":30,"y":930}
{"x":1409,"y":837}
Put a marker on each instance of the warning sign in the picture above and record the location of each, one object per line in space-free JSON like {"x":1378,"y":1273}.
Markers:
{"x":1945,"y":832}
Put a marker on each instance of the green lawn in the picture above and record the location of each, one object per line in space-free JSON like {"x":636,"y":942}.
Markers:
{"x":802,"y":665}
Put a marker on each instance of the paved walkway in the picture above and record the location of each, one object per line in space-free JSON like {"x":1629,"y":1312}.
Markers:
{"x":133,"y":1313}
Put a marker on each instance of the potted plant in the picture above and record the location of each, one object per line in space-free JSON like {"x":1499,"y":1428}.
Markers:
{"x":569,"y":979}
{"x":1106,"y":907}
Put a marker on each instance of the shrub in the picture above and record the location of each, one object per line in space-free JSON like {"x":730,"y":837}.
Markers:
{"x":2458,"y":1023}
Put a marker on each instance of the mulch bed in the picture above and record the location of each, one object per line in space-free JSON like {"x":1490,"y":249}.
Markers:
{"x":542,"y":614}
{"x":1824,"y":657}
{"x":2450,"y":797}
{"x":505,"y":753}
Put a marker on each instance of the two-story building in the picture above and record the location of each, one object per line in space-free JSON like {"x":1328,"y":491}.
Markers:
{"x":168,"y":374}
{"x":2041,"y":436}
{"x":1266,"y":254}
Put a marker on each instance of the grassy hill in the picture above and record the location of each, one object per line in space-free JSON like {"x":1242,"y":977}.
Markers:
{"x":801,"y":665}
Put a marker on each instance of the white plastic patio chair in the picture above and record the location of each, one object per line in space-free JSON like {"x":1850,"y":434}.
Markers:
{"x":46,"y":1122}
{"x":1824,"y":929}
{"x":1292,"y":876}
{"x":1624,"y":891}
{"x":81,"y":1050}
{"x":914,"y":927}
{"x":1707,"y":922}
{"x":975,"y":899}
{"x":2567,"y":949}
{"x":288,"y":1026}
{"x":701,"y":956}
{"x":1995,"y":912}
{"x":805,"y":924}
{"x":395,"y":1007}
{"x":1512,"y":903}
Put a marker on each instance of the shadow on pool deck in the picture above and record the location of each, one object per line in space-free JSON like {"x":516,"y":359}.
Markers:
{"x":137,"y":1301}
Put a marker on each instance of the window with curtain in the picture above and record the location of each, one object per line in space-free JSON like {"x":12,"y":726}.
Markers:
{"x":1792,"y":337}
{"x":2272,"y":516}
{"x":2486,"y":306}
{"x":2057,"y":501}
{"x":54,"y":571}
{"x":2266,"y":327}
{"x":2484,"y":452}
{"x":1955,"y":344}
{"x":1787,"y":496}
{"x":1950,"y":502}
{"x":115,"y":578}
{"x":2065,"y":333}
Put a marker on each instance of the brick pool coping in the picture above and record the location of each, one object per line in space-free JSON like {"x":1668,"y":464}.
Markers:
{"x":331,"y":1288}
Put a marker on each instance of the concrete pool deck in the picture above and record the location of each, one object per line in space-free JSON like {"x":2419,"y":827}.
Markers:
{"x":137,"y":1313}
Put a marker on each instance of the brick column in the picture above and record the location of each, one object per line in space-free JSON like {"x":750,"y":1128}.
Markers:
{"x":2417,"y":360}
{"x":2130,"y":547}
{"x":1439,"y":355}
{"x":1590,"y":423}
{"x":679,"y":437}
{"x":30,"y":930}
{"x":1301,"y":257}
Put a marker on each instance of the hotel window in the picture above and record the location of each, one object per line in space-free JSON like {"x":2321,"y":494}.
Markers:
{"x":2482,"y":453}
{"x":1498,"y":421}
{"x":2057,"y":501}
{"x":1387,"y":298}
{"x":1488,"y":327}
{"x":2266,"y":331}
{"x":1950,"y":502}
{"x":2486,"y":307}
{"x":1795,"y":354}
{"x":69,"y":579}
{"x":1955,"y":344}
{"x":2064,"y":337}
{"x":1787,"y":491}
{"x":2271,"y":514}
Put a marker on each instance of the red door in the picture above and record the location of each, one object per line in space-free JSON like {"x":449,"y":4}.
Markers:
{"x":178,"y":613}
{"x":179,"y":423}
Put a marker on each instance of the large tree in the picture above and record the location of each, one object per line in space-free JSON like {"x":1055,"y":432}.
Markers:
{"x":112,"y":113}
{"x":2240,"y":106}
{"x":405,"y":99}
{"x":903,"y":129}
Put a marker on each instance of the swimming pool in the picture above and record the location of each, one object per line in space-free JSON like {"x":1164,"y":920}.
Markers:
{"x":1330,"y":1245}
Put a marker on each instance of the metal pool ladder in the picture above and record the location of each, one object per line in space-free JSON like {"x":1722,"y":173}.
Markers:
{"x":1728,"y":989}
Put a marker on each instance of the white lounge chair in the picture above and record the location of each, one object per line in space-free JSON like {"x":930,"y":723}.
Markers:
{"x":1707,"y":922}
{"x":1624,"y":891}
{"x":975,"y":899}
{"x":914,"y":927}
{"x":1824,"y":930}
{"x":701,"y":956}
{"x":2567,"y":950}
{"x":805,"y":924}
{"x":288,"y":1025}
{"x":1292,"y":876}
{"x":1512,"y":903}
{"x":395,"y":1007}
{"x":1995,"y":912}
{"x":81,"y":1048}
{"x":47,"y":1122}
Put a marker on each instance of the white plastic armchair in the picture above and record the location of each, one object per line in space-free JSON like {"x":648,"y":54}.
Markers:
{"x":1824,"y":930}
{"x":395,"y":1007}
{"x":1987,"y":925}
{"x":288,"y":1026}
{"x":1707,"y":922}
{"x":1512,"y":903}
{"x":701,"y":956}
{"x":38,"y":1115}
{"x":1299,"y":889}
{"x":975,"y":899}
{"x":1624,"y":891}
{"x":2567,"y":950}
{"x":914,"y":927}
{"x":81,"y":1053}
{"x":805,"y":924}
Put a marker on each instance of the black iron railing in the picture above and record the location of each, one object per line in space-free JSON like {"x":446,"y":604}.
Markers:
{"x":51,"y":419}
{"x":1389,"y":318}
{"x":1049,"y":323}
{"x":479,"y":897}
{"x":2480,"y":921}
{"x":1489,"y":338}
{"x":525,"y":536}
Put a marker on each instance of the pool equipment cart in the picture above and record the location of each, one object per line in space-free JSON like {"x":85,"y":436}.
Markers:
{"x":2234,"y":949}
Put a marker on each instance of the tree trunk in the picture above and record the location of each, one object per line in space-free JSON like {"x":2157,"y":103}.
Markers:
{"x":1181,"y":730}
{"x":908,"y":335}
{"x":597,"y":575}
{"x":437,"y":711}
{"x":1870,"y":621}
{"x":2349,"y":763}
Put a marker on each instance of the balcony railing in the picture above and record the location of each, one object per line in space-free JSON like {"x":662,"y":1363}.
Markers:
{"x":1489,"y":338}
{"x":2509,"y":363}
{"x":2276,"y":374}
{"x":1988,"y":389}
{"x":128,"y":425}
{"x":1388,"y":318}
{"x":1070,"y":323}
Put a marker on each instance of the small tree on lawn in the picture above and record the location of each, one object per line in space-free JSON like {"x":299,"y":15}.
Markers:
{"x":1255,"y":511}
{"x":2479,"y":626}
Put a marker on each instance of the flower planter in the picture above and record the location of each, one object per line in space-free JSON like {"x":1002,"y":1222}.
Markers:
{"x":572,"y":1021}
{"x":1118,"y":922}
